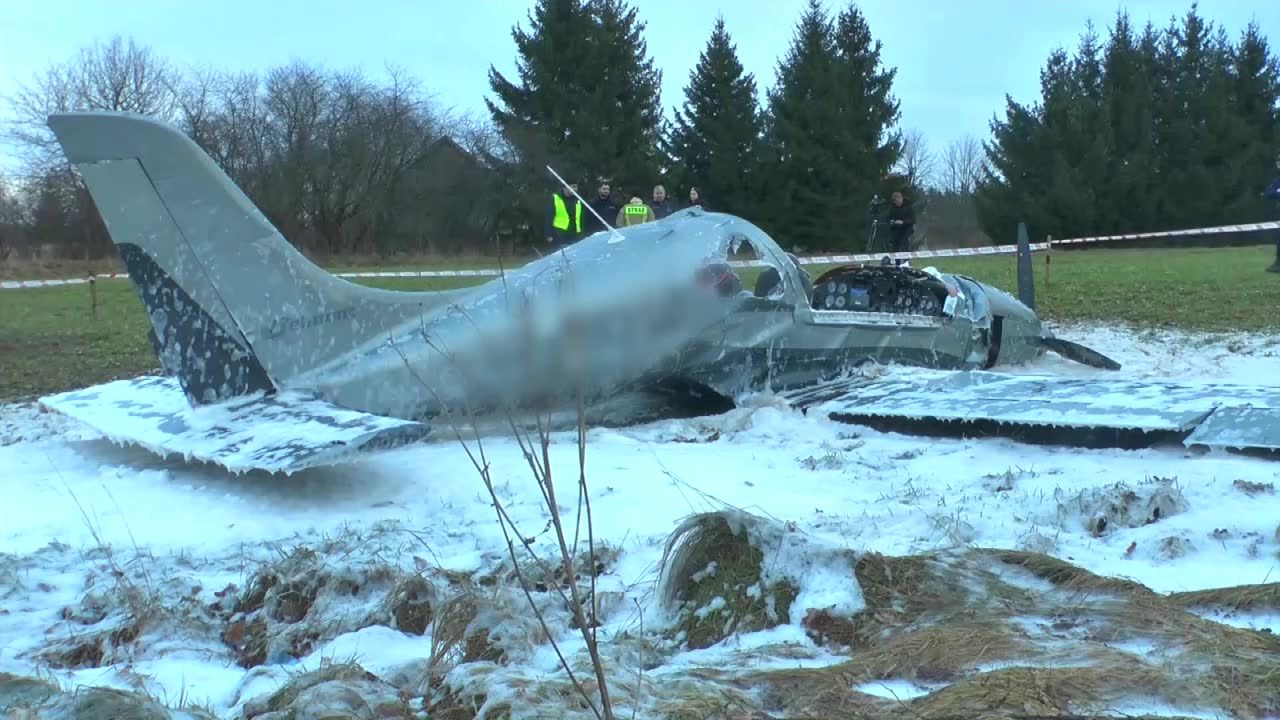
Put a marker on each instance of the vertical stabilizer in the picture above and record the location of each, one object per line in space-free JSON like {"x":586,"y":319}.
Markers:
{"x":235,"y":308}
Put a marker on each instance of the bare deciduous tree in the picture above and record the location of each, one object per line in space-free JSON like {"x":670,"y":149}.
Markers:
{"x":917,"y":162}
{"x":196,"y":105}
{"x":114,"y":76}
{"x":962,"y":164}
{"x":111,"y":76}
{"x":31,"y":105}
{"x":10,"y":220}
{"x":125,"y":79}
{"x":339,"y":162}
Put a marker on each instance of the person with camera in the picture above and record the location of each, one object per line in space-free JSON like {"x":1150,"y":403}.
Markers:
{"x":902,"y":224}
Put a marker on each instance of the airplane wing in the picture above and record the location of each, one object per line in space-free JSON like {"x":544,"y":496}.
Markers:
{"x":285,"y":433}
{"x":1244,"y":417}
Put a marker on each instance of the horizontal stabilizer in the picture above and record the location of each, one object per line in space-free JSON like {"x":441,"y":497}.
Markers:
{"x":1222,"y":415}
{"x":280,"y":433}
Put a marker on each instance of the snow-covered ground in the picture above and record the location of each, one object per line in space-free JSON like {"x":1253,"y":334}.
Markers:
{"x":72,"y":504}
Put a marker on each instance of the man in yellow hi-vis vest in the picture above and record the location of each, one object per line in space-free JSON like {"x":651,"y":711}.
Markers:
{"x":634,"y":213}
{"x":564,"y":223}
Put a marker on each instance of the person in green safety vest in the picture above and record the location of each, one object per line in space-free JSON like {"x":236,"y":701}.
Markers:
{"x":564,"y":220}
{"x":634,"y":213}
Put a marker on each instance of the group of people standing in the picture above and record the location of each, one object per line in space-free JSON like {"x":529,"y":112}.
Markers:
{"x":568,"y":221}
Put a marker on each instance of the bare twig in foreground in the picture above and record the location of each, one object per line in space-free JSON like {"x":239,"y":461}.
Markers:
{"x":538,"y":458}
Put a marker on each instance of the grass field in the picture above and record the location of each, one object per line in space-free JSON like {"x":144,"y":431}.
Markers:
{"x":50,"y":341}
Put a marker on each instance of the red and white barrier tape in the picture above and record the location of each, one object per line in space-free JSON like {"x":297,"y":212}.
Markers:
{"x":1246,"y":227}
{"x":876,"y":257}
{"x":811,"y":260}
{"x":19,"y":284}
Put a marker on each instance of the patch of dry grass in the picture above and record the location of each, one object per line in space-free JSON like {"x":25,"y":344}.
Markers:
{"x":124,"y":600}
{"x":291,"y":606}
{"x":18,"y":691}
{"x":701,"y":695}
{"x":714,"y":575}
{"x":1265,"y":597}
{"x":332,"y":691}
{"x":1037,"y":692}
{"x":813,"y":693}
{"x":997,"y":646}
{"x":24,"y":698}
{"x":1065,"y":575}
{"x":940,"y":653}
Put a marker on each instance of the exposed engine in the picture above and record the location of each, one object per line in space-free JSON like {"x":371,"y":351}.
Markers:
{"x":885,"y":289}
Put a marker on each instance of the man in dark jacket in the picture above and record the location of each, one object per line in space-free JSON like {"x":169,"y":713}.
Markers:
{"x":661,"y":206}
{"x":1273,"y":193}
{"x":604,"y":206}
{"x":902,"y":223}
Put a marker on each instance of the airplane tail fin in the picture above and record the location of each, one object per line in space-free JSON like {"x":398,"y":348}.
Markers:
{"x":234,"y":307}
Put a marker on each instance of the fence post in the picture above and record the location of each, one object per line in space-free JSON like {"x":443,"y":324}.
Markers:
{"x":93,"y":297}
{"x":1048,"y":256}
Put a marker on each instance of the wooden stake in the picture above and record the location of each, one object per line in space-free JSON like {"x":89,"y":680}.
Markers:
{"x":1048,"y":256}
{"x":93,"y":297}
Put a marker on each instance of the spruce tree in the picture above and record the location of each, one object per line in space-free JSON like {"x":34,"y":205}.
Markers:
{"x":1017,"y":175}
{"x":538,"y":115}
{"x":829,"y":122}
{"x":1033,"y":177}
{"x":1127,"y":88}
{"x":622,"y":119}
{"x":1090,"y":148}
{"x":586,"y":100}
{"x":1185,"y":64}
{"x":1071,"y":88}
{"x":799,"y":188}
{"x":715,"y":138}
{"x":1255,"y":79}
{"x":1171,"y":129}
{"x":1224,"y":142}
{"x":872,"y":146}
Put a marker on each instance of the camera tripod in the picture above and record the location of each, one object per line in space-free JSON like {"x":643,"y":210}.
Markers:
{"x":873,"y":240}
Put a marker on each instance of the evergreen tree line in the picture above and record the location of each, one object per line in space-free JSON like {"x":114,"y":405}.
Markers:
{"x":1149,"y":130}
{"x":803,"y":164}
{"x":1141,"y":131}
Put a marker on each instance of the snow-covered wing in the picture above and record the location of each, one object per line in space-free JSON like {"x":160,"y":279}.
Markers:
{"x":280,"y":433}
{"x":1256,"y":428}
{"x":1222,"y":415}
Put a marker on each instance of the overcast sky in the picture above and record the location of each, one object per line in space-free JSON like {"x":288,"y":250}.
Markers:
{"x":956,"y":59}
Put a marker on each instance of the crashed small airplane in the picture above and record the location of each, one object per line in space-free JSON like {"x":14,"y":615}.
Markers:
{"x":272,"y":364}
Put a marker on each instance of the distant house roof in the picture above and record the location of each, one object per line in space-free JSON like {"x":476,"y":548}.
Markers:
{"x":448,"y":147}
{"x":447,"y":144}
